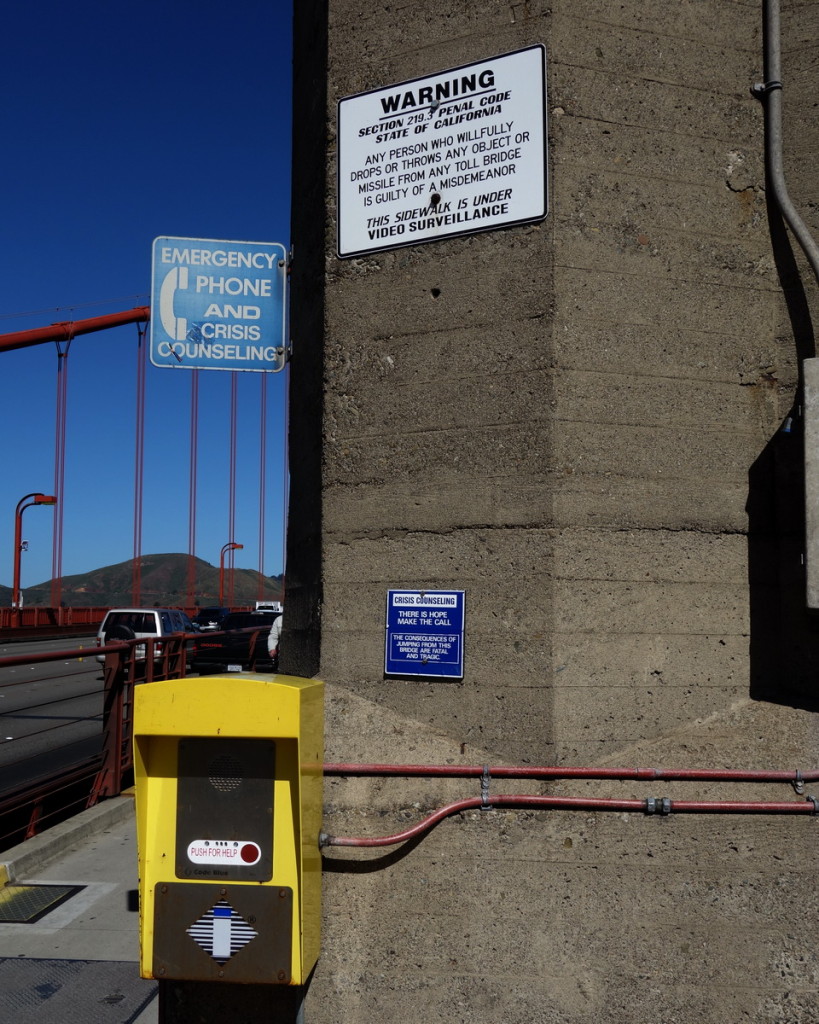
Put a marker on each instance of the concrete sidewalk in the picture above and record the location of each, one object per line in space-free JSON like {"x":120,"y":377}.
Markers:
{"x":79,"y":961}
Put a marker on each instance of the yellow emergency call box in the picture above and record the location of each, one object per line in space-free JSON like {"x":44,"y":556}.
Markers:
{"x":228,"y":773}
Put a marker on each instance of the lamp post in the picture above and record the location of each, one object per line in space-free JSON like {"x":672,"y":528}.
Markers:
{"x":230,"y":546}
{"x":22,"y":505}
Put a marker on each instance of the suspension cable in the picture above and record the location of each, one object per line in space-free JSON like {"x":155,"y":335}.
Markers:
{"x":260,"y":594}
{"x":139,"y":462}
{"x":194,"y":445}
{"x":59,"y":473}
{"x":234,"y":390}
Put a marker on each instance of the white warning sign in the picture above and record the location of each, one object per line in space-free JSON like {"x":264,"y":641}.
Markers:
{"x":457,"y":152}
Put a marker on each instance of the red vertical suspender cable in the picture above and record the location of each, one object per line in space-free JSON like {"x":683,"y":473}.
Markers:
{"x":139,"y":464}
{"x":260,"y":594}
{"x":234,"y":379}
{"x":59,"y":474}
{"x":191,"y":579}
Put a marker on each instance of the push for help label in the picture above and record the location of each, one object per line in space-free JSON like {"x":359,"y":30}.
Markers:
{"x":224,"y":851}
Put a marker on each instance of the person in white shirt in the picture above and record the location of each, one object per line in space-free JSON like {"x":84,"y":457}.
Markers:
{"x":273,"y":640}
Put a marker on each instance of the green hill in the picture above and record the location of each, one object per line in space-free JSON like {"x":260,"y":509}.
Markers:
{"x":163,"y":582}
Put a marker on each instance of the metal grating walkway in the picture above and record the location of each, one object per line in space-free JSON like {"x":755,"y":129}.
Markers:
{"x":72,"y":992}
{"x":25,"y":904}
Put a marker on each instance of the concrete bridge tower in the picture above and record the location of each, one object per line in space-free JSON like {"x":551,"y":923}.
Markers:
{"x":588,"y":422}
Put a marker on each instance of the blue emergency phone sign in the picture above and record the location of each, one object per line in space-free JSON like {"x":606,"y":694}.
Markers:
{"x":218,"y":305}
{"x":425,"y":633}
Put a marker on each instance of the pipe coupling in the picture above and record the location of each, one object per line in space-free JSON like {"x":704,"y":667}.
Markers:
{"x":761,"y":89}
{"x":485,"y":776}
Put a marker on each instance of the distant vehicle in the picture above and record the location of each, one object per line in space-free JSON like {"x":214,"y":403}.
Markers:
{"x":276,"y":607}
{"x":232,"y":651}
{"x":141,"y":623}
{"x":209,"y":618}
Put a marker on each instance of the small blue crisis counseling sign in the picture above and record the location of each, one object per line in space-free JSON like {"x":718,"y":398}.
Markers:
{"x":425,"y":633}
{"x":218,"y":305}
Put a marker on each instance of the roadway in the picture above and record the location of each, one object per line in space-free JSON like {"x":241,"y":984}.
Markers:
{"x":50,"y":713}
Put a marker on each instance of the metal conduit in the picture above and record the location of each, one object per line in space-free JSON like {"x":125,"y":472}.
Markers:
{"x":649,"y":805}
{"x":770,"y":93}
{"x":796,"y":777}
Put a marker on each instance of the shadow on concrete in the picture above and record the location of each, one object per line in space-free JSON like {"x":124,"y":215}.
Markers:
{"x":784,"y":647}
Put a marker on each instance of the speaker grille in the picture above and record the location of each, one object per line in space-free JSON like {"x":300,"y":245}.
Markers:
{"x":226,"y":773}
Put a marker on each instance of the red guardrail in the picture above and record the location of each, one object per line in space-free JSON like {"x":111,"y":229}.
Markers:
{"x":39,"y":621}
{"x":48,"y":775}
{"x":36,"y":617}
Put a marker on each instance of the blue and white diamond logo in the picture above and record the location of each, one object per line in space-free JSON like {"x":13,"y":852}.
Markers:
{"x":221,"y":932}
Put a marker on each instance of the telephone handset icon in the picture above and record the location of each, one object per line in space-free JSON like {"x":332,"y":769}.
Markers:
{"x":175,"y":326}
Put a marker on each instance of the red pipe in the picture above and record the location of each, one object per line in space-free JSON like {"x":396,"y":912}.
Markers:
{"x":622,"y":774}
{"x":573,"y":804}
{"x":71,"y":328}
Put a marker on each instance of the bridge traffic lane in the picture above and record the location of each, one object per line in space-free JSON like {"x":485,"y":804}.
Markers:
{"x":50,"y":712}
{"x":16,"y":648}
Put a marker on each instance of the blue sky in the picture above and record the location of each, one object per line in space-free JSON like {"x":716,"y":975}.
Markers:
{"x":121,"y":123}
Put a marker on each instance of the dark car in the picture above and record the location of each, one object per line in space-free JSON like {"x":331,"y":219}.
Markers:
{"x":210,"y":618}
{"x":234,"y":648}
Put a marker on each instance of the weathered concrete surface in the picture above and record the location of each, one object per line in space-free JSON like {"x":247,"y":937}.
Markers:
{"x":578,"y":423}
